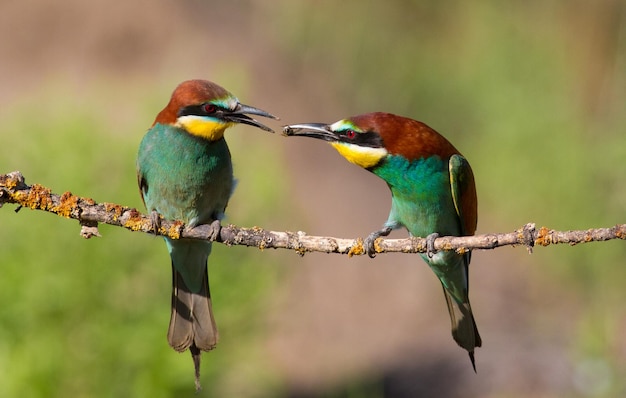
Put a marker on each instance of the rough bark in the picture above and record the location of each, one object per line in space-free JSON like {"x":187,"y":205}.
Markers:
{"x":13,"y":189}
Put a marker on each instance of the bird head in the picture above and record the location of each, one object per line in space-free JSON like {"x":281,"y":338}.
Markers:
{"x":366,"y":140}
{"x":205,"y":109}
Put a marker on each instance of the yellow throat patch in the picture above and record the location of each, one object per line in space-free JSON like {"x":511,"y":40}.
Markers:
{"x":209,"y":129}
{"x":365,"y":157}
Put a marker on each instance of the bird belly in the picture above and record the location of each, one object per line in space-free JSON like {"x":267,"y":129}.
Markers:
{"x":421,"y":196}
{"x":186,"y":178}
{"x":424,"y":217}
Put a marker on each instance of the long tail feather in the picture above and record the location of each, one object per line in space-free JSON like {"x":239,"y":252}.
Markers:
{"x":192,"y":321}
{"x":196,"y":355}
{"x":464,"y":330}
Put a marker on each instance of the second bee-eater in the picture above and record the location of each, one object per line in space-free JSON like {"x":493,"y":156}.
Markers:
{"x":185,"y":173}
{"x":432,"y":190}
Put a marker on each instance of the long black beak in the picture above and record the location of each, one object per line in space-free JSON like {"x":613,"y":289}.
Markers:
{"x":240,"y":115}
{"x":314,"y":130}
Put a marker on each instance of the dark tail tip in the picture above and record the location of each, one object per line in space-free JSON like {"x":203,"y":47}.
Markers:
{"x":195,"y":355}
{"x":471,"y":355}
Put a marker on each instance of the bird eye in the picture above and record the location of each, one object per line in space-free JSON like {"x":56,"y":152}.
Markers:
{"x":209,"y":108}
{"x":350,"y":134}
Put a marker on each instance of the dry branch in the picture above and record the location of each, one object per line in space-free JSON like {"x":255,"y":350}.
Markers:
{"x":13,"y":189}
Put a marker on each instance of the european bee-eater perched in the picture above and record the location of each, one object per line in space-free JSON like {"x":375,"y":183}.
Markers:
{"x":432,"y":190}
{"x":185,"y":173}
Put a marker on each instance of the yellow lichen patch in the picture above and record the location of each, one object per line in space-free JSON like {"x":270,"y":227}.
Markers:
{"x":357,"y":249}
{"x":11,"y":181}
{"x":461,"y":250}
{"x":620,"y":231}
{"x":377,"y":247}
{"x":543,"y":237}
{"x":67,"y":205}
{"x":17,"y":197}
{"x":446,"y":246}
{"x":113,"y":208}
{"x":262,"y":245}
{"x":135,"y":222}
{"x":419,"y":247}
{"x":174,"y":230}
{"x":38,"y":198}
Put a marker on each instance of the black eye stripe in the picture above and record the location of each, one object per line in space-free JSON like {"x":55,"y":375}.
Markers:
{"x":369,"y":139}
{"x":199,"y":110}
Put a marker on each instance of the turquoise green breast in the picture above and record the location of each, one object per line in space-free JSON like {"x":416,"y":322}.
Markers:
{"x":421,"y":195}
{"x":188,"y":178}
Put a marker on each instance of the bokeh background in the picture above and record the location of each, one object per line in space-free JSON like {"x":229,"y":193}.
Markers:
{"x":531,"y":92}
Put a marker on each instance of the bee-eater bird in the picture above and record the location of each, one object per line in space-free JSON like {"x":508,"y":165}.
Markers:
{"x":432,"y":190}
{"x":185,"y":173}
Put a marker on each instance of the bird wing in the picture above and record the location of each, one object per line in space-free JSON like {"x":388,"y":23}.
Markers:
{"x":142,"y":184}
{"x":141,"y":165}
{"x":463,"y":193}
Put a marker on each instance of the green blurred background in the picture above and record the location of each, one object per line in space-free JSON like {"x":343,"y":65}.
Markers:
{"x":531,"y":92}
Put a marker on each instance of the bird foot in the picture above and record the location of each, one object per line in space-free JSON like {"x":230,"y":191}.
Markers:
{"x":214,"y":230}
{"x":155,"y":220}
{"x":369,"y":243}
{"x":430,"y":244}
{"x":210,"y":232}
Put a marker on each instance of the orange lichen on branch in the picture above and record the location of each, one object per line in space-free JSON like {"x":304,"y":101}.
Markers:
{"x":11,"y":181}
{"x":416,"y":245}
{"x":357,"y":249}
{"x":448,"y":246}
{"x":37,"y":198}
{"x":67,"y":205}
{"x":135,"y":221}
{"x":13,"y":190}
{"x":114,"y":209}
{"x":520,"y":235}
{"x":544,"y":237}
{"x":173,"y":231}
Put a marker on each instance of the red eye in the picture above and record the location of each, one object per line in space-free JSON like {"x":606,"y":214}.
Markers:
{"x":350,"y":134}
{"x":209,"y":108}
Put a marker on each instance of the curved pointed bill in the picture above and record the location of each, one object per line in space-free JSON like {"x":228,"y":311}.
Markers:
{"x":314,"y":130}
{"x":240,"y":115}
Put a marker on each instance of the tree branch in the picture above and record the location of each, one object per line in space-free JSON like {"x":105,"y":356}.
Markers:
{"x":13,"y":189}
